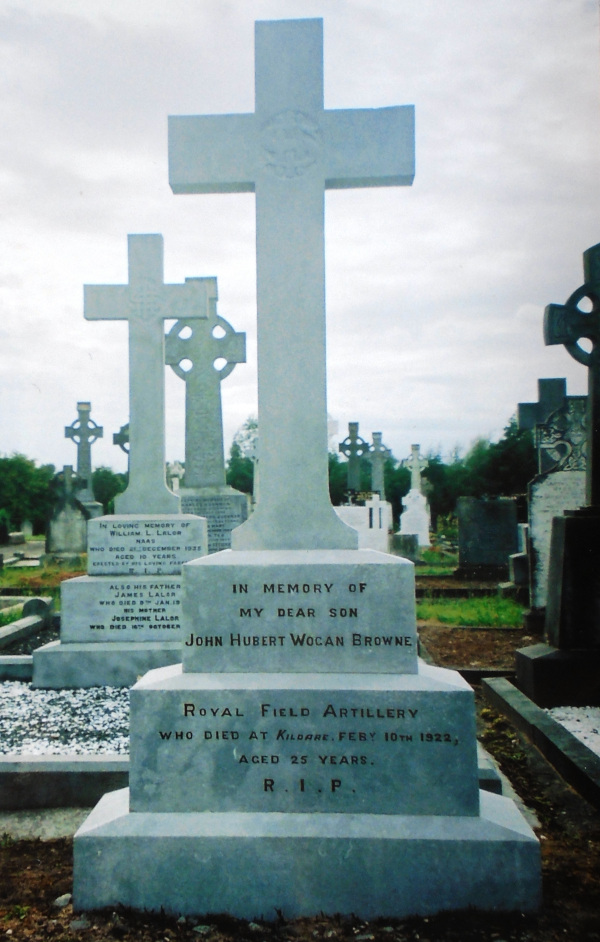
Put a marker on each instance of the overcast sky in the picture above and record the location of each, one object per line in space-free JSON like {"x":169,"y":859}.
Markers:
{"x":435,"y":292}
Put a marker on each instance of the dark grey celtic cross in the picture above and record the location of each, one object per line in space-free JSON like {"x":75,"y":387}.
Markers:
{"x":354,"y":448}
{"x":84,"y":433}
{"x":200,"y":345}
{"x":569,"y":323}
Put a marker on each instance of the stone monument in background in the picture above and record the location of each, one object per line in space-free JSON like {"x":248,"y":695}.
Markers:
{"x":565,"y":669}
{"x":415,"y":517}
{"x":354,"y":448}
{"x":66,"y":538}
{"x":192,"y":349}
{"x":378,"y":453}
{"x":487,"y":536}
{"x":371,"y":517}
{"x":301,"y":759}
{"x":559,"y":425}
{"x":84,"y":432}
{"x":124,"y":617}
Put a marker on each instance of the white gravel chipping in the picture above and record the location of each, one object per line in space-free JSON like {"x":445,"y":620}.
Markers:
{"x":582,"y":722}
{"x":85,"y":721}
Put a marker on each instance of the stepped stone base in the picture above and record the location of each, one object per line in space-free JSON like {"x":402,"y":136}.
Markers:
{"x":113,"y":664}
{"x":551,"y":677}
{"x":252,"y":865}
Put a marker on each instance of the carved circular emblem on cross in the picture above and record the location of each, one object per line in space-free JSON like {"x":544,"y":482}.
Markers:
{"x":291,"y":143}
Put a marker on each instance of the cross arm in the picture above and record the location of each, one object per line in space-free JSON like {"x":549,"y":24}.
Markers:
{"x":106,"y":302}
{"x":212,"y":153}
{"x":370,"y":147}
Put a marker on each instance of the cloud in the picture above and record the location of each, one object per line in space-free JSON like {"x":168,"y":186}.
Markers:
{"x":435,"y":292}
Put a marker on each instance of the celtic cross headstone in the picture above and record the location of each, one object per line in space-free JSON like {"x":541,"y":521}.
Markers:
{"x":145,"y":303}
{"x":415,"y":464}
{"x":121,"y":438}
{"x":67,"y":528}
{"x":566,"y":669}
{"x":84,"y":432}
{"x":354,"y":448}
{"x":378,"y":453}
{"x":570,"y":323}
{"x":192,"y":349}
{"x":288,"y":152}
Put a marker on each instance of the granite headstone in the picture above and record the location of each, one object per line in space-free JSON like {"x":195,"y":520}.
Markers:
{"x":192,"y":350}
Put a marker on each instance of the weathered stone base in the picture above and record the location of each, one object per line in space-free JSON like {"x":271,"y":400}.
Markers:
{"x":253,"y":865}
{"x":112,"y":664}
{"x":551,"y":677}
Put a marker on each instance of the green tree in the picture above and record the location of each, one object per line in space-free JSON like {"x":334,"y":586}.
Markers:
{"x":106,"y":484}
{"x":25,"y":492}
{"x":503,"y":468}
{"x":338,"y":479}
{"x":240,"y":470}
{"x":397,"y":484}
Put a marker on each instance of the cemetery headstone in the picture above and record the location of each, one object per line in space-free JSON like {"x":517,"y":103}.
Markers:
{"x":565,"y":669}
{"x":415,"y":516}
{"x":124,"y":617}
{"x":273,"y":754}
{"x":552,"y":394}
{"x":559,"y":485}
{"x":378,"y":453}
{"x":66,"y":537}
{"x":487,"y":536}
{"x":84,"y":432}
{"x":192,"y":349}
{"x":354,"y":448}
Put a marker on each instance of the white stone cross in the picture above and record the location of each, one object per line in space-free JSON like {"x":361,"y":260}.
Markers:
{"x":289,"y":152}
{"x":415,"y":464}
{"x":146,"y":303}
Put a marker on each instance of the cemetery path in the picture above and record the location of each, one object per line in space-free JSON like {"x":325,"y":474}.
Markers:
{"x":35,"y":874}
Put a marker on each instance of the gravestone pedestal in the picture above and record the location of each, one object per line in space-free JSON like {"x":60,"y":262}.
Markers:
{"x":223,"y":507}
{"x":415,"y":516}
{"x":566,"y":667}
{"x":302,"y":759}
{"x":372,"y":521}
{"x":124,"y":617}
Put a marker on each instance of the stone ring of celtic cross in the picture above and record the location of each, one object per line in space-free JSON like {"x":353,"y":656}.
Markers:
{"x":574,"y":301}
{"x":77,"y":427}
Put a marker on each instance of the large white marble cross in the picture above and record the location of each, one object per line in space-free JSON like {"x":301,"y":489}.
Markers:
{"x":146,"y":303}
{"x":289,"y":152}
